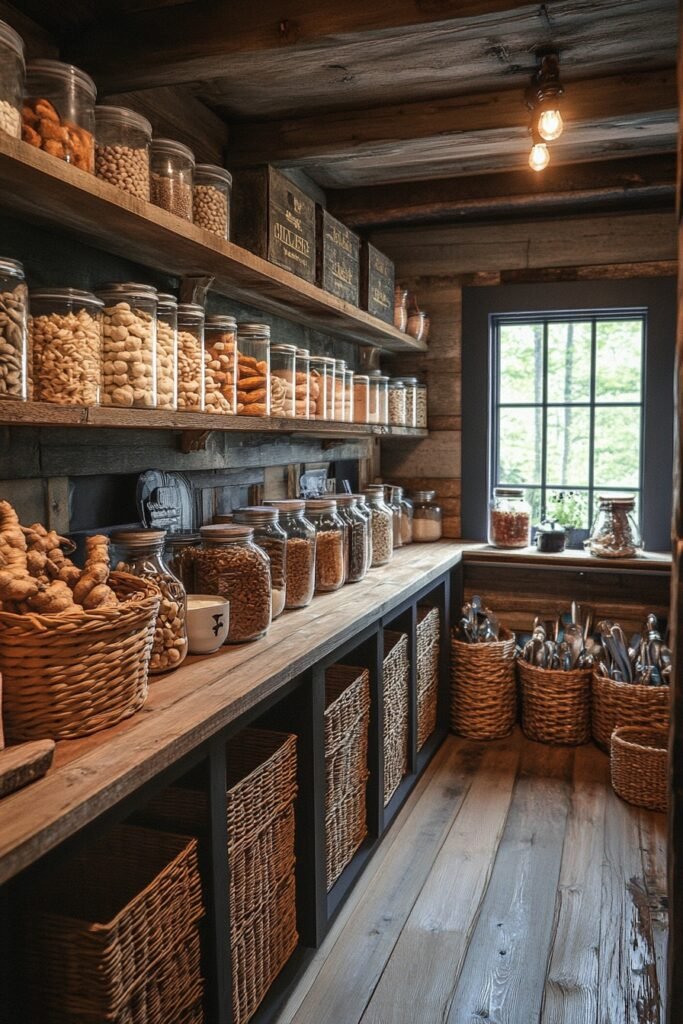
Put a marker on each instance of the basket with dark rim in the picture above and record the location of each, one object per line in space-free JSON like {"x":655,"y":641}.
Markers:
{"x":483,"y":688}
{"x":639,"y":766}
{"x":617,"y":704}
{"x":556,"y":705}
{"x":347,"y":718}
{"x":427,"y":665}
{"x":396,"y":681}
{"x":70,"y":675}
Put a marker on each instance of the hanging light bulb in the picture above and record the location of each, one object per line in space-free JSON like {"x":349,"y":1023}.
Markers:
{"x":550,"y":124}
{"x":539,"y":157}
{"x":542,"y":98}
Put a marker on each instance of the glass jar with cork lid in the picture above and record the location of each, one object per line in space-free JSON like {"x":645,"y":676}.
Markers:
{"x":230,"y":564}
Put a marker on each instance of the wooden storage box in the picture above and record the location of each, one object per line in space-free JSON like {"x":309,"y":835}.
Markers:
{"x":274,"y":219}
{"x":377,"y":283}
{"x":338,"y":257}
{"x":427,"y":659}
{"x":396,"y":681}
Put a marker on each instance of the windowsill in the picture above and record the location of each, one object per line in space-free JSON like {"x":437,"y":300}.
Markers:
{"x":475,"y":551}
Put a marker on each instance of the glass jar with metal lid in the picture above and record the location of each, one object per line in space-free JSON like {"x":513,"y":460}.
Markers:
{"x":348,"y":396}
{"x":421,"y":405}
{"x":302,"y":409}
{"x":58,"y":112}
{"x":230,"y":564}
{"x":394,"y":502}
{"x":361,"y":398}
{"x":329,"y":554}
{"x":300,"y":559}
{"x":397,"y":403}
{"x":122,"y":143}
{"x":382,"y":525}
{"x":282,"y":380}
{"x":129,"y":345}
{"x":191,"y":357}
{"x":272,"y":539}
{"x":179,"y":548}
{"x":65,"y":339}
{"x":12,"y":72}
{"x":253,"y":369}
{"x":509,"y":518}
{"x":363,"y":509}
{"x":427,"y":517}
{"x":172,"y":177}
{"x":14,"y":363}
{"x":211,"y":199}
{"x":378,"y":397}
{"x":357,"y":527}
{"x":410,"y":384}
{"x":141,"y":553}
{"x":220,"y":364}
{"x":167,"y":351}
{"x":339,"y":413}
{"x":615,"y":532}
{"x":322,"y":387}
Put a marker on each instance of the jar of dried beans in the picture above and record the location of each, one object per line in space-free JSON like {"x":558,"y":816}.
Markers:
{"x":129,"y":345}
{"x":253,"y":369}
{"x":190,"y":357}
{"x":65,"y":338}
{"x":59,"y":112}
{"x":300,"y":558}
{"x":12,"y":72}
{"x":230,"y":564}
{"x":167,"y":352}
{"x":171,"y":177}
{"x":282,"y":380}
{"x":356,"y":529}
{"x":220,"y":363}
{"x":305,"y":406}
{"x":14,"y":368}
{"x":329,"y":556}
{"x":509,"y":519}
{"x":427,"y":517}
{"x":211,"y":199}
{"x":122,"y":141}
{"x":382,"y":527}
{"x":269,"y":536}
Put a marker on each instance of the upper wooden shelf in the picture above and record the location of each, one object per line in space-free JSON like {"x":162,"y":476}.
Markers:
{"x":46,"y":190}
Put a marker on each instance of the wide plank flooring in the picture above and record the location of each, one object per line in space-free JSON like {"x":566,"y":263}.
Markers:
{"x":514,"y":888}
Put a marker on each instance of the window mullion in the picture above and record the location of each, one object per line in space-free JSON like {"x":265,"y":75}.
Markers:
{"x":544,"y":434}
{"x":591,"y":435}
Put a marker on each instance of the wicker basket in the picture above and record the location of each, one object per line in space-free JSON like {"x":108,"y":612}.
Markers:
{"x":638,"y":766}
{"x":483,"y":688}
{"x":428,"y":657}
{"x":396,"y":682}
{"x":347,"y":717}
{"x":69,"y":675}
{"x":556,"y":706}
{"x":617,"y":704}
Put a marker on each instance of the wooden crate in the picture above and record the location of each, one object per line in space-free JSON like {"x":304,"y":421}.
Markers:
{"x":338,"y":257}
{"x":377,"y":283}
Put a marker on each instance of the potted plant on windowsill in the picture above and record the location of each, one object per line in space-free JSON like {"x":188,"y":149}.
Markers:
{"x":568,"y":508}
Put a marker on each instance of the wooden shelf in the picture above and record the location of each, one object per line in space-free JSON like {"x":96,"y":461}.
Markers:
{"x":649,"y":561}
{"x":44,"y":189}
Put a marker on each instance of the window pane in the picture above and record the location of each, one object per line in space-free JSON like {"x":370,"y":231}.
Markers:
{"x":519,"y":446}
{"x":569,"y":362}
{"x":570,"y":508}
{"x":520,"y":362}
{"x":568,"y":461}
{"x":616,"y":461}
{"x":533,"y":496}
{"x":619,"y":356}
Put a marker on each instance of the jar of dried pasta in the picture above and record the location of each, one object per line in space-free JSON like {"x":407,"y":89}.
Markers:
{"x":190,"y":357}
{"x":129,"y":345}
{"x":253,"y":369}
{"x":300,"y":558}
{"x":220,"y":364}
{"x":65,"y":338}
{"x":329,"y":530}
{"x":283,"y":380}
{"x":269,"y":536}
{"x":230,"y":564}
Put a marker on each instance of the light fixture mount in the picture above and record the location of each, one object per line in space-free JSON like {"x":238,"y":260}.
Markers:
{"x":546,"y":87}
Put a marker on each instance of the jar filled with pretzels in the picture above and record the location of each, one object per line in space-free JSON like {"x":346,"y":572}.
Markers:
{"x":253,"y":369}
{"x":58,"y":115}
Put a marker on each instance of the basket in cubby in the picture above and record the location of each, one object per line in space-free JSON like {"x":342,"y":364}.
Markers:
{"x":555,"y":704}
{"x":347,"y":719}
{"x":396,"y":682}
{"x":616,"y":704}
{"x":427,"y":659}
{"x":70,"y":675}
{"x":483,"y":688}
{"x":638,"y":766}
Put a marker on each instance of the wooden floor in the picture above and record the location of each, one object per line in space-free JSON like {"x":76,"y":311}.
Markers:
{"x":514,"y":888}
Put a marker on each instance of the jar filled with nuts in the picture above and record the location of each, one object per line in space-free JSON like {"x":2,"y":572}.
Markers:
{"x":300,"y":558}
{"x":129,"y":346}
{"x":14,"y":369}
{"x":167,"y":352}
{"x":356,"y":527}
{"x":178,"y":554}
{"x":427,"y":517}
{"x":190,"y":357}
{"x":361,"y":398}
{"x":220,"y":364}
{"x":229,"y":563}
{"x":330,"y":547}
{"x":348,"y":396}
{"x":65,"y":338}
{"x":378,"y":397}
{"x":282,"y":380}
{"x":421,"y":405}
{"x":122,"y":141}
{"x":253,"y":369}
{"x":339,"y":413}
{"x":12,"y":72}
{"x":322,"y":385}
{"x":211,"y":199}
{"x":509,"y":518}
{"x":171,"y":177}
{"x":364,"y":510}
{"x":410,"y":385}
{"x":382,"y":527}
{"x":272,"y":539}
{"x":141,"y":553}
{"x":59,"y":112}
{"x":303,"y":401}
{"x":397,"y":403}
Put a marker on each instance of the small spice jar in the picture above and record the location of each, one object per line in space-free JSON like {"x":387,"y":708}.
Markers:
{"x":300,"y":558}
{"x":427,"y":517}
{"x":400,"y":308}
{"x":65,"y":339}
{"x":397,"y":403}
{"x":509,"y":518}
{"x":302,"y":408}
{"x":363,"y":509}
{"x":179,"y":548}
{"x":191,"y":357}
{"x":348,"y":396}
{"x":417,"y":326}
{"x":220,"y":364}
{"x":12,"y":73}
{"x":141,"y":553}
{"x":230,"y":564}
{"x":122,"y":142}
{"x":171,"y":177}
{"x":410,"y":384}
{"x":615,"y":532}
{"x":322,"y":387}
{"x":361,"y":398}
{"x":211,"y":199}
{"x":382,"y":526}
{"x":339,"y":413}
{"x":14,"y":368}
{"x":129,"y":345}
{"x":167,"y":352}
{"x":378,"y":398}
{"x":356,"y":524}
{"x":58,"y":112}
{"x":282,"y":380}
{"x":329,"y":556}
{"x":272,"y":539}
{"x":253,"y":369}
{"x":421,"y":405}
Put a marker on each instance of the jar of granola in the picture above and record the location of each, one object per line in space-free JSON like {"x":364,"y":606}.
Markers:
{"x":230,"y":564}
{"x":220,"y":364}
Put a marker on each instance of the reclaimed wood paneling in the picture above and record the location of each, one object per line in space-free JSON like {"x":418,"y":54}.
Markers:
{"x":338,"y":258}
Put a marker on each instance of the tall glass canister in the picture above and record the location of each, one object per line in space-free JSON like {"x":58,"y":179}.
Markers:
{"x":220,"y":364}
{"x":357,"y":527}
{"x":167,"y":352}
{"x":329,"y":557}
{"x":339,"y":393}
{"x":129,"y":345}
{"x":229,"y":563}
{"x":303,"y":405}
{"x":190,"y":357}
{"x":65,"y":336}
{"x":269,"y":536}
{"x":283,"y":380}
{"x":12,"y":74}
{"x":382,"y":528}
{"x":14,"y":360}
{"x":322,"y":387}
{"x":300,"y":560}
{"x":253,"y":369}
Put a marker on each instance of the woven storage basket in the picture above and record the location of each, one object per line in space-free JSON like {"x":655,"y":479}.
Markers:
{"x":396,"y":681}
{"x":69,"y":675}
{"x":639,"y":766}
{"x":483,"y":688}
{"x":106,"y":921}
{"x":556,"y":706}
{"x":347,"y":717}
{"x":427,"y":661}
{"x":616,"y":704}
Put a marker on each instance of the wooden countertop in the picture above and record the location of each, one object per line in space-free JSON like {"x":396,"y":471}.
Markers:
{"x":91,"y":775}
{"x":649,"y":561}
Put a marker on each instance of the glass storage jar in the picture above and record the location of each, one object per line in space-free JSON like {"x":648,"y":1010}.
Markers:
{"x":58,"y":113}
{"x":393,"y":500}
{"x":253,"y":369}
{"x":122,"y":141}
{"x":282,"y":380}
{"x":272,"y":539}
{"x":167,"y":352}
{"x":329,"y":550}
{"x":417,"y":326}
{"x":129,"y":345}
{"x":382,"y":526}
{"x":407,"y":518}
{"x":179,"y":550}
{"x":300,"y":558}
{"x":220,"y":364}
{"x":12,"y":74}
{"x":400,"y":308}
{"x":302,"y":409}
{"x":357,"y":526}
{"x":190,"y":357}
{"x":65,"y":340}
{"x":397,"y":403}
{"x":14,"y":361}
{"x":509,"y":518}
{"x":339,"y":394}
{"x":421,"y":405}
{"x":378,"y":398}
{"x":348,"y":396}
{"x":322,"y":387}
{"x":211,"y":199}
{"x":230,"y":564}
{"x":361,"y":398}
{"x":427,"y":517}
{"x":171,"y":177}
{"x":410,"y":385}
{"x":364,"y":510}
{"x":141,"y":553}
{"x":615,"y":532}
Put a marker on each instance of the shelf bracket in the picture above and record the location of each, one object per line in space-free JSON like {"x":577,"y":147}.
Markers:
{"x":194,"y":288}
{"x":193,"y":441}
